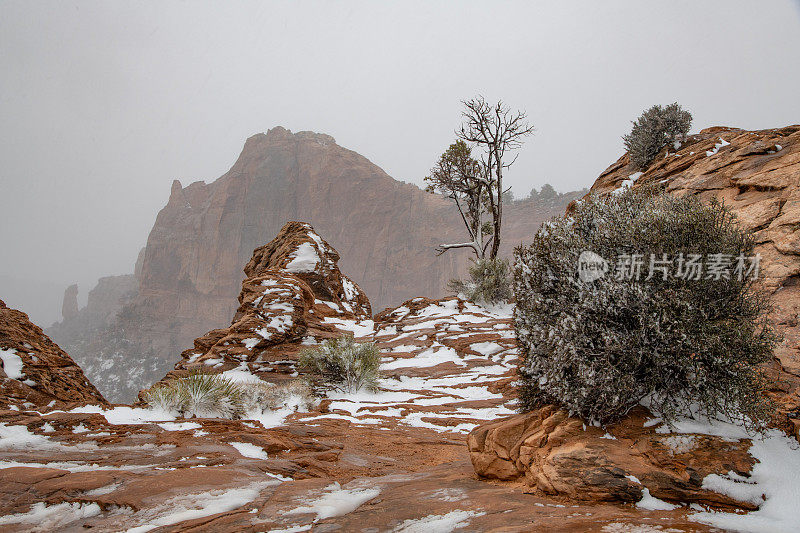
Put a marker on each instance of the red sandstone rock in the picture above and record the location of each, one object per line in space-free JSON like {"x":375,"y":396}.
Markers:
{"x":143,"y":474}
{"x":560,"y":456}
{"x":36,"y":372}
{"x":293,"y":284}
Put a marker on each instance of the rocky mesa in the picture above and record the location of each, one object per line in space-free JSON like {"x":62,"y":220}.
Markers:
{"x":189,"y":274}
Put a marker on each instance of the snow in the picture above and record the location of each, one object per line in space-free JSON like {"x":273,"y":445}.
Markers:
{"x":293,"y":529}
{"x":73,"y":466}
{"x":250,"y":343}
{"x":241,"y":374}
{"x":404,"y":348}
{"x":124,"y":414}
{"x":438,"y":523}
{"x":105,"y":489}
{"x":18,"y":437}
{"x":722,"y":142}
{"x":487,"y":348}
{"x":249,"y":450}
{"x":626,"y":527}
{"x":305,"y":259}
{"x":270,"y":419}
{"x":280,"y":324}
{"x":52,"y":517}
{"x":349,"y":289}
{"x":179,"y":426}
{"x":433,"y":356}
{"x":12,"y":363}
{"x":651,"y":503}
{"x":627,"y":183}
{"x":198,"y":505}
{"x":680,"y":443}
{"x":775,"y":475}
{"x":359,"y":328}
{"x":336,"y":501}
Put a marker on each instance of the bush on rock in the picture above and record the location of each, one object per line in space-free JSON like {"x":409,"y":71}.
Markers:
{"x":342,"y":364}
{"x":489,"y":282}
{"x":663,"y":309}
{"x":653,"y":130}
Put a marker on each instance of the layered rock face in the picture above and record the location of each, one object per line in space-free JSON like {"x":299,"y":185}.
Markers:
{"x":293,"y":295}
{"x":559,"y":456}
{"x":36,"y":372}
{"x":190,"y":271}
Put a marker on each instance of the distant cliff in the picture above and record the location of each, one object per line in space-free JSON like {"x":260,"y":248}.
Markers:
{"x":190,"y":271}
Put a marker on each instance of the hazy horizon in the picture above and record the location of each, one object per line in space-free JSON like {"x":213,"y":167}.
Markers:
{"x":104,"y":104}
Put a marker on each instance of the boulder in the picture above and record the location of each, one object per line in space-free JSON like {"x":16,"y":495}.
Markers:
{"x":558,"y":455}
{"x":293,"y":285}
{"x":36,"y":372}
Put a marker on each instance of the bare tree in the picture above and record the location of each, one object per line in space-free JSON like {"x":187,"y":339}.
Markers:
{"x":459,"y":177}
{"x":475,"y":186}
{"x":496,"y":130}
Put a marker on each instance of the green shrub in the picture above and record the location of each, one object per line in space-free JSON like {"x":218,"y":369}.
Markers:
{"x":600,"y":347}
{"x":653,"y":130}
{"x":342,"y":364}
{"x":489,"y":282}
{"x":262,"y":396}
{"x":198,"y":394}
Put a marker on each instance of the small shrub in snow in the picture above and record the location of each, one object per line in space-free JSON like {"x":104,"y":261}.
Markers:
{"x":198,"y":394}
{"x":342,"y":364}
{"x":601,"y":347}
{"x":489,"y":282}
{"x":262,"y":396}
{"x":653,"y":130}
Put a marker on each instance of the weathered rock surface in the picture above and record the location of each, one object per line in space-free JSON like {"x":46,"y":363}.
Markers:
{"x":190,"y":271}
{"x":293,"y":285}
{"x":757,"y":175}
{"x":36,"y":372}
{"x":559,"y":456}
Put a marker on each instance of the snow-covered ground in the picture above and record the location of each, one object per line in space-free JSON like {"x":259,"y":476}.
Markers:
{"x":441,"y":364}
{"x":429,"y":382}
{"x":773,"y":485}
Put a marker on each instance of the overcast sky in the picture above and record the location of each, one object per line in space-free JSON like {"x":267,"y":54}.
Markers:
{"x":103,"y":104}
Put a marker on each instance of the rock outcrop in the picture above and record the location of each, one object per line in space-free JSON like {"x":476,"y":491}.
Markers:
{"x":293,"y":285}
{"x":558,"y":455}
{"x":69,"y":308}
{"x":190,"y":271}
{"x":36,"y":372}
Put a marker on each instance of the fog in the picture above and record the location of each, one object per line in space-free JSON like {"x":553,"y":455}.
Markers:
{"x":103,"y":104}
